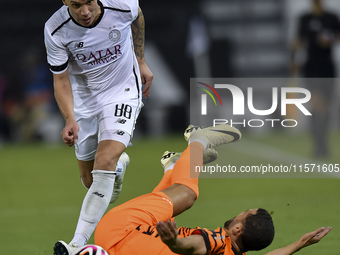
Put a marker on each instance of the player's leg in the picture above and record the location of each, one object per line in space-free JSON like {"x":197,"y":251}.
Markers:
{"x":184,"y":190}
{"x":165,"y":182}
{"x":101,"y":190}
{"x":99,"y":194}
{"x":320,"y":103}
{"x":85,"y":150}
{"x":99,"y":176}
{"x":169,"y":159}
{"x":115,"y":127}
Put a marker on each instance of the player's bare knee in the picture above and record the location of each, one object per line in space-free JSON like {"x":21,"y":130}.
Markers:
{"x":188,"y":195}
{"x":191,"y":197}
{"x":105,"y":161}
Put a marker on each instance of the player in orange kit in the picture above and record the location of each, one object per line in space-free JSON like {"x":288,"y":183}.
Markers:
{"x":144,"y":225}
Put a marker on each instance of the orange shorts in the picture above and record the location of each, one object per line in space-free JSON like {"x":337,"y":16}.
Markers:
{"x":123,"y":220}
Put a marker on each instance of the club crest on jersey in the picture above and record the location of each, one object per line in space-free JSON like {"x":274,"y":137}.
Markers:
{"x":114,"y":35}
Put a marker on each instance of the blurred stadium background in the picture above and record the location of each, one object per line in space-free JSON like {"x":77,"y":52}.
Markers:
{"x":41,"y":193}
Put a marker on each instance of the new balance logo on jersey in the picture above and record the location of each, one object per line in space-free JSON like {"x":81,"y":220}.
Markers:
{"x":80,"y":45}
{"x":98,"y":194}
{"x":120,"y":121}
{"x":119,"y":132}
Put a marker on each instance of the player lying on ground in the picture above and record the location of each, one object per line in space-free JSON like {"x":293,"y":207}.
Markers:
{"x":143,"y":225}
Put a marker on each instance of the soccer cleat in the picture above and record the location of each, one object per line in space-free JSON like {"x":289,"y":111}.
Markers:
{"x":62,"y":248}
{"x":210,"y":154}
{"x":213,"y":136}
{"x":120,"y":172}
{"x":169,"y":158}
{"x":189,"y":130}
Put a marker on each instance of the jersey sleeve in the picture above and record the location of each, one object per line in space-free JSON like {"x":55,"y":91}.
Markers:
{"x":133,"y":5}
{"x":57,"y":56}
{"x":215,"y":240}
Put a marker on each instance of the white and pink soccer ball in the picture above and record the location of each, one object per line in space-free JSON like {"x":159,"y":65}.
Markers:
{"x":90,"y":249}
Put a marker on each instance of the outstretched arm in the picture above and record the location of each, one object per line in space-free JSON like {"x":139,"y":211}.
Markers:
{"x":193,"y":244}
{"x":138,"y":34}
{"x":306,"y":240}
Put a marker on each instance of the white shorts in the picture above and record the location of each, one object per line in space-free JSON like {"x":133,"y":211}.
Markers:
{"x":115,"y":122}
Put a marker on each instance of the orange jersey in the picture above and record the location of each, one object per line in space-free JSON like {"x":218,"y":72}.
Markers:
{"x":144,"y":240}
{"x":130,"y":229}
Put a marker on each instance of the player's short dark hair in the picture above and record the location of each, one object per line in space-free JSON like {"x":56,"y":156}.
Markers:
{"x":258,"y":231}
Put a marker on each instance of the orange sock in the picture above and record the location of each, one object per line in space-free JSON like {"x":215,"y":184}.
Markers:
{"x":165,"y":182}
{"x":185,"y":171}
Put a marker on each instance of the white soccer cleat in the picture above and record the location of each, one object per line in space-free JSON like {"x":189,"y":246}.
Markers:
{"x":62,"y":248}
{"x":213,"y":136}
{"x":120,"y":172}
{"x":189,"y":130}
{"x":210,"y":154}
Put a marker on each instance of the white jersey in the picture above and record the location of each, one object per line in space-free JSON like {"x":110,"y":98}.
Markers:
{"x":102,"y":65}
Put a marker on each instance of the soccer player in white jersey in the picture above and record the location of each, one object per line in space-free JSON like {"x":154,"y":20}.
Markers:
{"x":95,"y":49}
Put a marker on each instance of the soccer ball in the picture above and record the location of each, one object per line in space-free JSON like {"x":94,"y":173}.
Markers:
{"x":90,"y":249}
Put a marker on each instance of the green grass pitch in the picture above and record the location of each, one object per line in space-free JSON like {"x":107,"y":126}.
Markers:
{"x":41,"y":193}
